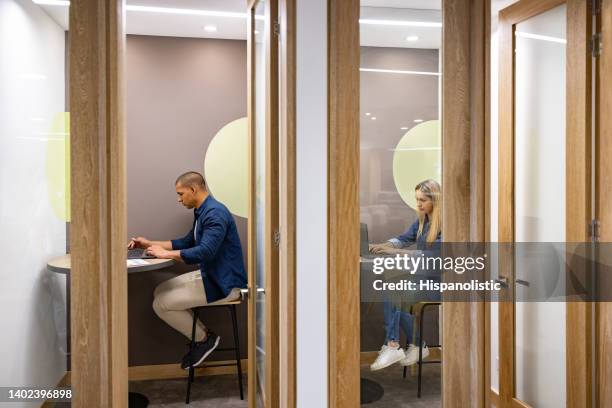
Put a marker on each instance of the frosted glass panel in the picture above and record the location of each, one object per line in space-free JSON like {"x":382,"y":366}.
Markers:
{"x":34,"y":199}
{"x":540,"y":198}
{"x":260,"y":182}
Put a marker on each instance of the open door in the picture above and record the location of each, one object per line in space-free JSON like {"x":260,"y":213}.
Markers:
{"x":264,"y":204}
{"x":545,"y":195}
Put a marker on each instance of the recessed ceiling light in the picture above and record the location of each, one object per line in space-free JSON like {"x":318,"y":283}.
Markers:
{"x":403,"y":128}
{"x":418,"y":120}
{"x":368,"y":113}
{"x":373,"y":118}
{"x":210,"y":28}
{"x":256,"y":32}
{"x":412,"y":38}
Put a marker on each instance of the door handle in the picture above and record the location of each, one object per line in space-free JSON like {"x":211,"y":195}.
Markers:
{"x":244,"y":293}
{"x":522,"y":282}
{"x":503,"y":281}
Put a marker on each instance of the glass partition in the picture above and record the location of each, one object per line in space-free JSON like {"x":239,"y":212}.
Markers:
{"x":34,"y":194}
{"x":540,"y":199}
{"x":260,"y":184}
{"x":400,"y":149}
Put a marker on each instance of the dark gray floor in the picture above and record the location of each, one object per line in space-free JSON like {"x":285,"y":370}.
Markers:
{"x":402,"y":392}
{"x":218,"y":391}
{"x":221,"y":391}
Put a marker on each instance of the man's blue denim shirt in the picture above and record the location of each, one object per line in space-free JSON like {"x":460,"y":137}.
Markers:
{"x":213,"y":242}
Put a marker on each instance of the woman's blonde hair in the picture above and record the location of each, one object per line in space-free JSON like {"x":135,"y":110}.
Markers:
{"x":432,"y":190}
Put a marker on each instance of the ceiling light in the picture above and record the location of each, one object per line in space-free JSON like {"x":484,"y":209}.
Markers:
{"x":256,"y":32}
{"x":166,"y":10}
{"x":52,"y":2}
{"x":403,"y":128}
{"x":396,"y":71}
{"x":373,"y":118}
{"x":401,"y":23}
{"x":197,"y":12}
{"x":368,"y":113}
{"x":210,"y":28}
{"x":412,"y":38}
{"x":418,"y":120}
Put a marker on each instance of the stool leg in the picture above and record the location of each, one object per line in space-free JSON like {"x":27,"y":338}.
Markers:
{"x":237,"y":349}
{"x":420,"y":368}
{"x":191,"y":375}
{"x":406,"y":368}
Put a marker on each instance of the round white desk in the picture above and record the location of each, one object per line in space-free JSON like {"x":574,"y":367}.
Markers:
{"x":61,"y":264}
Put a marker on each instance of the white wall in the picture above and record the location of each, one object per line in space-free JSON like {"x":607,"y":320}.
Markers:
{"x":311,"y":198}
{"x":32,"y":309}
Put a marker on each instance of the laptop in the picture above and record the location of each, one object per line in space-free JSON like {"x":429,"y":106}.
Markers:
{"x":138,"y":253}
{"x":364,"y":243}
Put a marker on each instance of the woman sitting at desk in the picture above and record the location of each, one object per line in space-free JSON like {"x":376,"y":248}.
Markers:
{"x":424,"y":232}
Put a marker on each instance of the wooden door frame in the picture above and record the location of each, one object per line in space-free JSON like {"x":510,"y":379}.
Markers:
{"x":578,"y":173}
{"x":271,"y":390}
{"x":98,"y":303}
{"x":465,"y":147}
{"x":287,"y":259}
{"x":603,"y":209}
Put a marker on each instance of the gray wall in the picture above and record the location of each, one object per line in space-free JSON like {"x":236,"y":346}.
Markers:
{"x":180,"y":92}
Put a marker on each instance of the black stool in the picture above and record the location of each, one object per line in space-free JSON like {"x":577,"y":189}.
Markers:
{"x":232,"y":307}
{"x":422,"y":306}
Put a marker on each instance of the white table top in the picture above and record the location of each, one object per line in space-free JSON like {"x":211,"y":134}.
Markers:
{"x":61,"y":264}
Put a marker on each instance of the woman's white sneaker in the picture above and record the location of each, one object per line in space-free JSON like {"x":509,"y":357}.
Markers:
{"x":388,"y":356}
{"x":412,"y":354}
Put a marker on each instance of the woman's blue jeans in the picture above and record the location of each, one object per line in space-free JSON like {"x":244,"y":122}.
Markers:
{"x":396,"y":318}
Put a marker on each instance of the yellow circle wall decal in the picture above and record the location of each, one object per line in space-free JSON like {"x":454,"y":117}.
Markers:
{"x":417,"y":157}
{"x":57,"y":166}
{"x":226,"y":166}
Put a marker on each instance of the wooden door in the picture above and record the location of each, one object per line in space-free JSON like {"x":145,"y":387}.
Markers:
{"x":545,"y":195}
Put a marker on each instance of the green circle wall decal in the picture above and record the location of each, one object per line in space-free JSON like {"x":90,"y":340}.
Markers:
{"x":57,"y":166}
{"x":417,"y":157}
{"x":226,"y":166}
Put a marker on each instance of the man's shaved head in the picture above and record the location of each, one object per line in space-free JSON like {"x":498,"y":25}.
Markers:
{"x":191,"y":179}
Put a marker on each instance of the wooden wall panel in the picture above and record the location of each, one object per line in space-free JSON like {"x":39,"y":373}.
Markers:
{"x":343,"y":205}
{"x":287,"y":277}
{"x":464,"y":147}
{"x":98,"y":230}
{"x":579,"y":345}
{"x":272,"y":210}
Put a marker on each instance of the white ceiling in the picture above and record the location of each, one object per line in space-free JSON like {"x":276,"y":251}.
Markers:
{"x":183,"y":25}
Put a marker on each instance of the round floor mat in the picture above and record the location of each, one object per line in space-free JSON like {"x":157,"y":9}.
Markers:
{"x":371,"y":391}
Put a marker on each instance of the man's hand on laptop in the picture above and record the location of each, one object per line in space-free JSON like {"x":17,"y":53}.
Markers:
{"x":139,"y":242}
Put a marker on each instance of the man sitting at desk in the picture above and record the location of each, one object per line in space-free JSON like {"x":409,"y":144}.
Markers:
{"x":213,"y":243}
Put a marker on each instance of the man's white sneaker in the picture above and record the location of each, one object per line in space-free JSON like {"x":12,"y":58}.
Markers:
{"x":383,"y":348}
{"x":387,"y":357}
{"x":412,"y":354}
